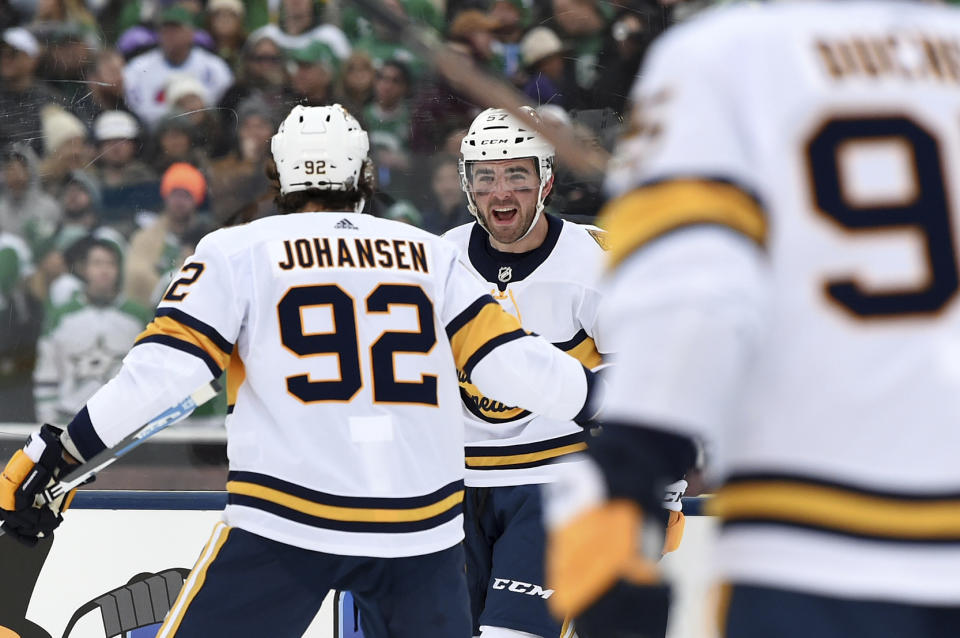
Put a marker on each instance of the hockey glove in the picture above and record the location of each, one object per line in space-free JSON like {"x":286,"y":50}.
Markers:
{"x":41,"y":462}
{"x":607,"y":527}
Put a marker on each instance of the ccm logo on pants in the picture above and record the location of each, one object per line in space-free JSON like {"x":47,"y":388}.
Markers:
{"x":521,"y":587}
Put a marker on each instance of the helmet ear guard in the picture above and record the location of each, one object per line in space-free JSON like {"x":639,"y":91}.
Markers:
{"x":324,"y":148}
{"x":495,"y":134}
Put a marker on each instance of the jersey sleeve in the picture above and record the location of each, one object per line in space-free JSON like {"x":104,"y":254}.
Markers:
{"x":187,"y":344}
{"x":504,"y":361}
{"x":685,"y":296}
{"x":686,"y":157}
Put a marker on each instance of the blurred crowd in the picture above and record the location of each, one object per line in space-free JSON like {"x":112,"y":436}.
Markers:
{"x":130,"y":128}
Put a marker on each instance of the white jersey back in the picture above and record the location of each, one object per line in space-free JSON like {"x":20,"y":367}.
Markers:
{"x":554,"y":291}
{"x":342,"y":333}
{"x":828,"y":136}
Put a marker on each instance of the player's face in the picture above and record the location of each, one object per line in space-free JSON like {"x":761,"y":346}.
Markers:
{"x":505,"y":192}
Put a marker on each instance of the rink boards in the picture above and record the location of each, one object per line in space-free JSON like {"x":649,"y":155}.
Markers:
{"x":118,"y":553}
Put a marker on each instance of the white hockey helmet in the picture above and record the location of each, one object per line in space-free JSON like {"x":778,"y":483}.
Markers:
{"x":320,"y":147}
{"x":495,"y":134}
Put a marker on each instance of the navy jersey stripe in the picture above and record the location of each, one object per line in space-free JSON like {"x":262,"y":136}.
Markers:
{"x":203,"y":328}
{"x":488,"y":347}
{"x":469,"y":313}
{"x":184,"y":346}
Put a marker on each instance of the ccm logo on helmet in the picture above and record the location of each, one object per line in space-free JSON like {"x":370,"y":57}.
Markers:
{"x":488,"y":142}
{"x":521,"y":587}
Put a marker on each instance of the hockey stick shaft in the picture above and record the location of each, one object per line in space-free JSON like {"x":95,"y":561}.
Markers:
{"x":483,"y":87}
{"x":88,"y":469}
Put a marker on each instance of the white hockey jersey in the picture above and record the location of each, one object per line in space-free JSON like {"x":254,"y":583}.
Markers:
{"x":343,"y":334}
{"x":554,"y":292}
{"x":82,"y":348}
{"x":786,"y":250}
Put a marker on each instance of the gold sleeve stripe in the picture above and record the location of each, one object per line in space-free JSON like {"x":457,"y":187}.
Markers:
{"x":236,"y":375}
{"x":339,"y":513}
{"x":490,"y":322}
{"x":514,"y":459}
{"x":173,"y":329}
{"x":586,"y":353}
{"x":834,"y":508}
{"x":651,"y":211}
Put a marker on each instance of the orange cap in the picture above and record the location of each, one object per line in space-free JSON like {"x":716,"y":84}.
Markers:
{"x":185,"y":176}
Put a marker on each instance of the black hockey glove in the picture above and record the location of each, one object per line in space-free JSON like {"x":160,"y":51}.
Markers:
{"x":29,"y":471}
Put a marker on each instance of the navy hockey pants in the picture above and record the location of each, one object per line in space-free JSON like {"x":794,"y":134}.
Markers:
{"x":248,"y":586}
{"x":764,"y":612}
{"x":505,"y":542}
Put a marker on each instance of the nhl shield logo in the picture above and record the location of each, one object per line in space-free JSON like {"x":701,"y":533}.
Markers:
{"x":505,"y":274}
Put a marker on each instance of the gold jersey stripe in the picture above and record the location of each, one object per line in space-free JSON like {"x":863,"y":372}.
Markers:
{"x":586,"y":353}
{"x":839,"y":509}
{"x":351,"y":514}
{"x":490,"y":461}
{"x":652,"y":211}
{"x":193,"y":584}
{"x":236,"y":375}
{"x":173,"y":328}
{"x":492,"y":321}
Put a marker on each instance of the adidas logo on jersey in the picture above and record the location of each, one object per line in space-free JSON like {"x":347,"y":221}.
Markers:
{"x":345,"y":224}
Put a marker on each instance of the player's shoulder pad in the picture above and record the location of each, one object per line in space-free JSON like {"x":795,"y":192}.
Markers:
{"x":460,"y":235}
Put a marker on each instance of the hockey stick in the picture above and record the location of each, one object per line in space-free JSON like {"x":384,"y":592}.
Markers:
{"x":85,"y":471}
{"x":485,"y":88}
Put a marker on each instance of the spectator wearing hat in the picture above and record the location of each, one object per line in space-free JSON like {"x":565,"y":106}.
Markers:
{"x":300,"y":24}
{"x":475,"y":30}
{"x":104,"y":91}
{"x":117,"y":136}
{"x":552,"y":79}
{"x":146,"y":76}
{"x":66,"y":144}
{"x":26,"y":210}
{"x":225,"y":24}
{"x":313,"y":71}
{"x":85,"y":339}
{"x":156,"y":249}
{"x":22,"y":95}
{"x":188,"y":99}
{"x":262,"y":74}
{"x":238,"y":181}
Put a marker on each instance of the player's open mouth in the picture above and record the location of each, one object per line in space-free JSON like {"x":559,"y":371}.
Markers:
{"x":504,"y":215}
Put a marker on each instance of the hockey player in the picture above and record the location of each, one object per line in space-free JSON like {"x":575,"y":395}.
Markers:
{"x":784,"y":254}
{"x":346,"y":463}
{"x":545,"y":271}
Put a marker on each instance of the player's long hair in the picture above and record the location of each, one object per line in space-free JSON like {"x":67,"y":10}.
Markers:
{"x":330,"y":199}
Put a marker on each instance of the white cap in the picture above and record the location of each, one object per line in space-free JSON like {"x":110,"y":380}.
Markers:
{"x":115,"y":125}
{"x":182,"y":84}
{"x":22,"y":40}
{"x":59,"y":126}
{"x":539,"y":43}
{"x":233,"y":5}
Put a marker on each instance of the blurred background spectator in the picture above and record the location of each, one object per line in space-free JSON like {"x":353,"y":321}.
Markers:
{"x":85,"y":340}
{"x":22,"y":95}
{"x":156,"y":248}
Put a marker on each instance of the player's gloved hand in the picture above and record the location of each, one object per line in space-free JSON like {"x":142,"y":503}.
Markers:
{"x":602,"y":558}
{"x":41,"y":461}
{"x":676,"y":522}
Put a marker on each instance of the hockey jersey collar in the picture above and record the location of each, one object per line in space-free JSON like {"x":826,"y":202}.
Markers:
{"x":504,"y":268}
